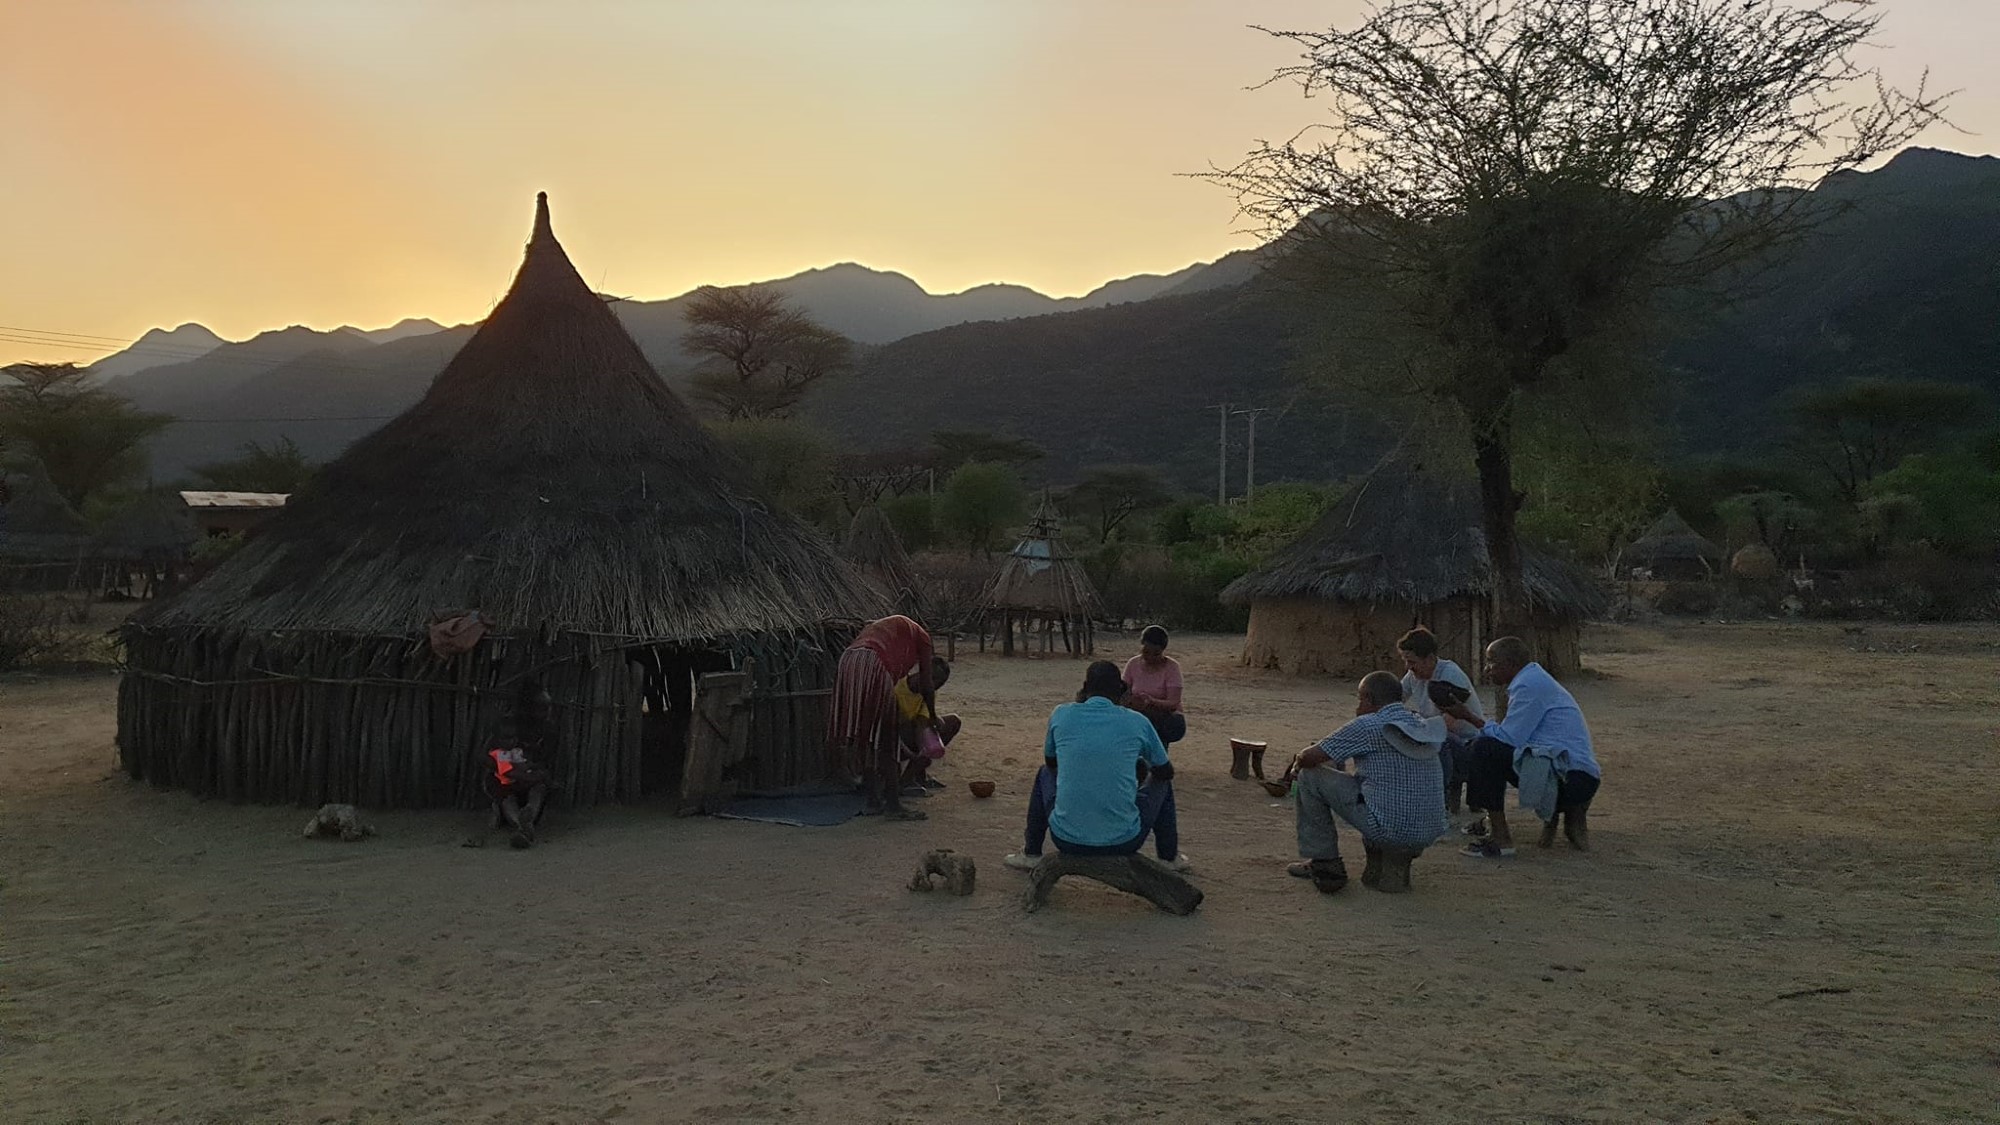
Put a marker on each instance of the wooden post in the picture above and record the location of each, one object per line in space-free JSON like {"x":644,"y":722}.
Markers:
{"x":1006,"y":632}
{"x":718,"y":740}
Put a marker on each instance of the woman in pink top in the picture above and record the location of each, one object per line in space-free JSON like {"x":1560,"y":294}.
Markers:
{"x":1154,"y":679}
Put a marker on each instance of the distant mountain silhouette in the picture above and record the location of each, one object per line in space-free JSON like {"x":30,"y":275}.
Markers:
{"x":402,"y":329}
{"x":1907,"y":283}
{"x":159,"y":346}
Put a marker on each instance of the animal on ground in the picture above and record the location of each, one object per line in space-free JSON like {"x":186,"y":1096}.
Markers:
{"x":342,"y":821}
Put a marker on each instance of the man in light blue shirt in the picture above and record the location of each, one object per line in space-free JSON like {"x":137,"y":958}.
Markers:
{"x":1088,"y":794}
{"x":1543,"y":722}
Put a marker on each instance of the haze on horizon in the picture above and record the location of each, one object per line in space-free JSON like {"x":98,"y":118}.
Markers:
{"x":251,"y":165}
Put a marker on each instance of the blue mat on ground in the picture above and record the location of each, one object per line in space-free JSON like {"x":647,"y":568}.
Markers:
{"x":801,"y":810}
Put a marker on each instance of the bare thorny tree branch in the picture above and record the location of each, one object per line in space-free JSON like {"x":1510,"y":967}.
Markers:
{"x":1505,"y":182}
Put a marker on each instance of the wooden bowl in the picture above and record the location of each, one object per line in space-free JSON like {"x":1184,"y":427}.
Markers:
{"x":981,"y":789}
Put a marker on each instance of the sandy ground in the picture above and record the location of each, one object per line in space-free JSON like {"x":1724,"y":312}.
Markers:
{"x":1783,"y":811}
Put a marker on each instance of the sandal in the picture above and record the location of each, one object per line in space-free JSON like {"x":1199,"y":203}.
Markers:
{"x":1486,"y":849}
{"x":1303,"y":869}
{"x":1477,"y":829}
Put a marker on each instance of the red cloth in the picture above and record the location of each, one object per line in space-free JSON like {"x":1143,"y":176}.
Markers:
{"x":899,"y":643}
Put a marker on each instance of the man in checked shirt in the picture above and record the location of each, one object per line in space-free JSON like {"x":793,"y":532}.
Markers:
{"x":1395,"y":797}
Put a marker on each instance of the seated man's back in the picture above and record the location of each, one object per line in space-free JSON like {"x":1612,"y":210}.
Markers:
{"x":1097,"y":747}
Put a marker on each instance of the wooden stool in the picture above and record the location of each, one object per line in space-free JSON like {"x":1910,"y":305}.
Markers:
{"x":1134,"y":874}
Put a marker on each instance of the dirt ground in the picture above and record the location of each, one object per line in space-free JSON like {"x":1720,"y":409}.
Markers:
{"x":1789,"y":915}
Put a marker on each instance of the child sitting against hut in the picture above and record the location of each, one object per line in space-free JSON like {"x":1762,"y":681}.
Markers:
{"x":519,"y":765}
{"x":919,"y":740}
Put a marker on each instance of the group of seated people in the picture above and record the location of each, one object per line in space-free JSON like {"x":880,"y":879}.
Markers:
{"x":1393,"y":773}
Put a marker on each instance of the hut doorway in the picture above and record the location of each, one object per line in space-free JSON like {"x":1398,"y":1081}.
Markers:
{"x":667,"y":703}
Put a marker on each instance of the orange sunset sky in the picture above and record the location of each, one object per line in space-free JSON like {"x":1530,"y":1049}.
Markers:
{"x":257,"y":163}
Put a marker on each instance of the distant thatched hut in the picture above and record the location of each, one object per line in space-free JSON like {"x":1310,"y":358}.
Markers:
{"x":1041,"y":587}
{"x":1400,"y":549}
{"x":550,"y":481}
{"x":44,"y":544}
{"x":873,"y":546}
{"x":1672,"y":550}
{"x":147,"y":543}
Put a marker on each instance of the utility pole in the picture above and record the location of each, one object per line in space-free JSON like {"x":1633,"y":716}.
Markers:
{"x":1250,"y":469}
{"x":1222,"y":457}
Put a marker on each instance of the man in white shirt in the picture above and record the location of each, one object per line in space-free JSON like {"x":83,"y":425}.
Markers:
{"x":1419,"y":650}
{"x":1543,"y":721}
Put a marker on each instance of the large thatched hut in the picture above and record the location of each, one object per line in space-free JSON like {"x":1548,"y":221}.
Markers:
{"x":551,"y":484}
{"x":1671,"y":549}
{"x":1041,"y":588}
{"x":1402,"y":548}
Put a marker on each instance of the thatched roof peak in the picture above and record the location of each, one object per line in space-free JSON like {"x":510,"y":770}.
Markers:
{"x":549,"y":478}
{"x":1671,"y":537}
{"x":1404,"y":536}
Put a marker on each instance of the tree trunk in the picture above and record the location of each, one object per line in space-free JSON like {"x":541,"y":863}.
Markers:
{"x":1498,"y":504}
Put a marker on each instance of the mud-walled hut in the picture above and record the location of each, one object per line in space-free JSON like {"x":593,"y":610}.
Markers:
{"x":549,"y":509}
{"x":1402,"y":548}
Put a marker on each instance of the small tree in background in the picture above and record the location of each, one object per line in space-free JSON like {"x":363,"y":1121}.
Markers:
{"x":772,"y":353}
{"x":91,"y":443}
{"x":1110,"y":495}
{"x":278,"y":467}
{"x":915,"y":519}
{"x":1852,"y":433}
{"x":1508,"y":184}
{"x":981,"y":502}
{"x":789,"y":461}
{"x":962,"y":447}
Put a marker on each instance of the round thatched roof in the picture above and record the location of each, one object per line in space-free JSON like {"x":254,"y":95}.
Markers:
{"x":1671,"y":538}
{"x":1405,"y":537}
{"x":548,"y":478}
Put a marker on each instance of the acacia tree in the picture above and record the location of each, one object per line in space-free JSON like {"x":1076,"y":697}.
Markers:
{"x":772,"y":353}
{"x":89,"y":441}
{"x":1109,"y":495}
{"x":1856,"y":431}
{"x":1505,"y":185}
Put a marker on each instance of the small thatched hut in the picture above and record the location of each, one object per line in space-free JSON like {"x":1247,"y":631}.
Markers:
{"x":1041,"y":587}
{"x":1673,"y":550}
{"x":147,"y":543}
{"x":873,"y":546}
{"x":1400,"y":549}
{"x":44,"y":543}
{"x":551,"y":482}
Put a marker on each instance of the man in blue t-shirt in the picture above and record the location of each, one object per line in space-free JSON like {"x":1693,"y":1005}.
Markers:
{"x":1088,"y":795}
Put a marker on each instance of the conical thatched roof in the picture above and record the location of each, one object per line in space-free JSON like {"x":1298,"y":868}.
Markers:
{"x":548,"y":478}
{"x":36,"y":522}
{"x":1671,"y":537}
{"x":155,"y":526}
{"x":872,"y":545}
{"x":1405,"y":537}
{"x":1040,"y":575}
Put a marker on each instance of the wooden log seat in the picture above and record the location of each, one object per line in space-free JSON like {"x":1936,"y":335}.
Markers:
{"x":1134,"y":874}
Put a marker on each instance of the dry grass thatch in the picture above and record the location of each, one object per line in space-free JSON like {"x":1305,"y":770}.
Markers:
{"x":36,"y":522}
{"x":1405,"y":537}
{"x":548,"y":478}
{"x":156,"y":526}
{"x":873,"y":546}
{"x":1040,"y":577}
{"x":1671,"y":539}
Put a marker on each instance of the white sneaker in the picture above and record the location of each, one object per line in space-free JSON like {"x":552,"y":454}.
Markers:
{"x":1180,"y":862}
{"x":1021,"y":861}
